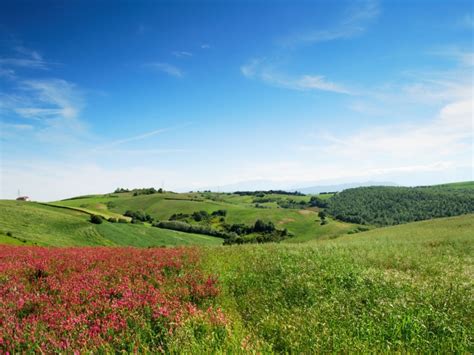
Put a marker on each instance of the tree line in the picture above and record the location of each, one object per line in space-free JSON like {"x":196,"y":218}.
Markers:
{"x":388,"y":205}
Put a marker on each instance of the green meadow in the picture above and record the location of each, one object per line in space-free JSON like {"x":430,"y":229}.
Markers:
{"x":328,"y":287}
{"x":405,"y":289}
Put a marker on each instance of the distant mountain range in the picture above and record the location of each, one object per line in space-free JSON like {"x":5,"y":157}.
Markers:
{"x":339,"y":187}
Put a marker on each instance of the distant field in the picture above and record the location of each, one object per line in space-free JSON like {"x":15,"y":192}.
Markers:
{"x":33,"y":223}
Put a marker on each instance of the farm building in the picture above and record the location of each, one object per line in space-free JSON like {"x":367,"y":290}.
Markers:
{"x":23,"y":198}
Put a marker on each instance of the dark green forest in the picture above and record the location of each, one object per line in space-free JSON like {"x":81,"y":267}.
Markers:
{"x":384,"y":205}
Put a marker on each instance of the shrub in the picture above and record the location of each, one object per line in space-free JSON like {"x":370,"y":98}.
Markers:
{"x":96,"y":219}
{"x":317,"y":202}
{"x":222,"y":213}
{"x":263,"y":227}
{"x":113,"y":220}
{"x":139,"y":216}
{"x":200,"y":215}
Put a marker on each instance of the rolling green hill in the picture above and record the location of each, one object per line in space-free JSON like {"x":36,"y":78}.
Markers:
{"x":66,"y":222}
{"x":303,"y":223}
{"x":33,"y":223}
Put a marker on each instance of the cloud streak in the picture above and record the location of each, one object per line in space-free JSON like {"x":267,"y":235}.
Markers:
{"x":181,"y":54}
{"x":257,"y":69}
{"x":166,"y":68}
{"x":353,"y":24}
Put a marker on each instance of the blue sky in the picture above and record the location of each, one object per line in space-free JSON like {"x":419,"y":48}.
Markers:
{"x":96,"y":95}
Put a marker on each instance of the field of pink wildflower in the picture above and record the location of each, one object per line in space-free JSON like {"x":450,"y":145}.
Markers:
{"x":77,"y":299}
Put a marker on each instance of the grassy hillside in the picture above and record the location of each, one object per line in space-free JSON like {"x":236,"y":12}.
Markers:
{"x":403,"y":288}
{"x":304,"y":224}
{"x":33,"y":223}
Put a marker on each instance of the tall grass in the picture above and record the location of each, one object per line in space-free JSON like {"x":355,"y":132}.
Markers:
{"x":363,"y":293}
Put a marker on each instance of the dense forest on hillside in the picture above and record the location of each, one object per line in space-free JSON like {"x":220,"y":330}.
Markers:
{"x":384,"y":205}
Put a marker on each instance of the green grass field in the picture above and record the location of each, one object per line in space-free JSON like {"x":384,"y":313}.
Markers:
{"x":33,"y":223}
{"x":406,"y":288}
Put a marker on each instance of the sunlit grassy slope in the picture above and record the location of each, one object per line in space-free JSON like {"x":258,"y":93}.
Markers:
{"x":404,"y":288}
{"x":33,"y":223}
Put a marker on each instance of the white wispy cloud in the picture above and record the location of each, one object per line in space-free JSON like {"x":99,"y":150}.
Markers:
{"x":23,"y":62}
{"x":50,"y":98}
{"x":467,"y":21}
{"x":205,"y":46}
{"x":134,"y":138}
{"x":462,"y":56}
{"x":51,"y":105}
{"x":142,"y":136}
{"x":24,"y":58}
{"x":269,"y":74}
{"x":445,"y":136}
{"x":181,"y":54}
{"x":29,"y":52}
{"x":166,"y":68}
{"x":354,"y":23}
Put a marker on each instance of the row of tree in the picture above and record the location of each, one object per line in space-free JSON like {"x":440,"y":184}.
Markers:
{"x":198,"y":216}
{"x":262,"y":193}
{"x":137,"y":192}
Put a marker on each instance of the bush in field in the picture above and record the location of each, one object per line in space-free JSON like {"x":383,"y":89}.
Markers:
{"x":263,"y":227}
{"x":221,"y":213}
{"x":96,"y":219}
{"x":179,"y":216}
{"x":200,"y":216}
{"x":113,"y":220}
{"x":318,"y":202}
{"x":139,"y":216}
